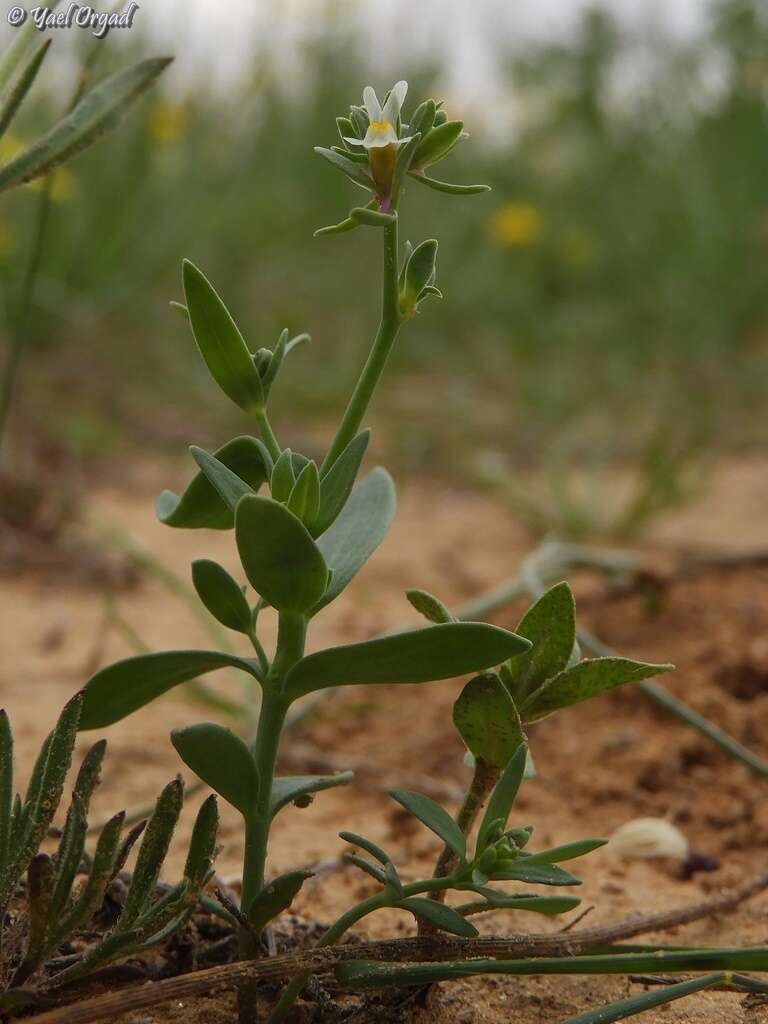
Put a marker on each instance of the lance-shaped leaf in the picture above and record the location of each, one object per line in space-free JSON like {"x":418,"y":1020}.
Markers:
{"x":366,"y":844}
{"x":431,"y":607}
{"x":276,"y":897}
{"x":449,"y":187}
{"x":10,"y":107}
{"x":535,"y":874}
{"x":6,"y":788}
{"x":648,"y":1000}
{"x":222,"y":760}
{"x":154,"y":847}
{"x":336,"y":485}
{"x":283,"y":476}
{"x":442,"y":917}
{"x":550,"y":625}
{"x":585,"y":680}
{"x":120,"y":689}
{"x":567,"y":851}
{"x":201,"y":504}
{"x":417,"y":656}
{"x":202,"y":845}
{"x":221,"y":343}
{"x":503,"y":797}
{"x":291,"y":788}
{"x":494,"y":899}
{"x":355,"y":172}
{"x":282,"y":562}
{"x":434,"y":817}
{"x":487,"y":720}
{"x":221,"y":595}
{"x":438,"y":143}
{"x":304,"y":499}
{"x":359,"y":529}
{"x":97,"y":114}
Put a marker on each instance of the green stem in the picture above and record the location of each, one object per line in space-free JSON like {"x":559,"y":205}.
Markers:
{"x":268,"y":435}
{"x":290,"y":647}
{"x":389,"y":325}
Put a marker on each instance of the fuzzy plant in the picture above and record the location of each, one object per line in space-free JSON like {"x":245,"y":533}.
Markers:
{"x":48,"y":901}
{"x":303,"y":529}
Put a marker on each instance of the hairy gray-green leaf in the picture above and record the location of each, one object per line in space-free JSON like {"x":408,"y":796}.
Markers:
{"x":202,"y":844}
{"x":220,"y":342}
{"x":282,"y":562}
{"x":120,"y":689}
{"x":487,"y":720}
{"x":96,"y":114}
{"x":550,"y":625}
{"x":416,"y":656}
{"x":358,"y":530}
{"x":431,"y":607}
{"x":222,"y":760}
{"x":585,"y":680}
{"x":221,"y":595}
{"x":152,"y":851}
{"x":201,"y":504}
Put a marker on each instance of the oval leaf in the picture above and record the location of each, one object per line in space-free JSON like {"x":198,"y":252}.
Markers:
{"x":550,"y":625}
{"x":442,"y":917}
{"x":94,"y":116}
{"x":119,"y":689}
{"x":221,"y":595}
{"x":220,"y":342}
{"x":487,"y":720}
{"x":285,"y":790}
{"x":585,"y":680}
{"x":221,"y":759}
{"x":434,"y":817}
{"x":201,"y":505}
{"x":281,"y":561}
{"x":276,"y":897}
{"x":359,"y":529}
{"x":417,"y":656}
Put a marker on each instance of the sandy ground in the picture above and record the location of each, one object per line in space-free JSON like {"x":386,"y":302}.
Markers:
{"x":599,"y":765}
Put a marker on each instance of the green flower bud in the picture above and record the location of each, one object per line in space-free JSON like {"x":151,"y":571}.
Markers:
{"x":487,"y":860}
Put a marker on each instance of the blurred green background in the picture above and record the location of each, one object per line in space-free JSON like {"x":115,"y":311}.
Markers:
{"x":605,"y":307}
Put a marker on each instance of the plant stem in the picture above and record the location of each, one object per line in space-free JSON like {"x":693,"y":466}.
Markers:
{"x":389,"y":325}
{"x":268,"y":435}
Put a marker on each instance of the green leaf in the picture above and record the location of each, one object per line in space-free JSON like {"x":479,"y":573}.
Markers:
{"x":6,"y":787}
{"x":202,"y":844}
{"x":228,"y":484}
{"x":438,"y":914}
{"x":503,"y":796}
{"x":632,"y":1005}
{"x":550,"y":625}
{"x":434,"y":817}
{"x":352,"y":170}
{"x":23,"y":84}
{"x":431,"y":607}
{"x":222,"y":760}
{"x":154,"y":847}
{"x":304,"y":500}
{"x":336,"y":485}
{"x":221,"y":595}
{"x":403,"y":163}
{"x":487,"y":720}
{"x":567,"y":851}
{"x":220,"y":342}
{"x":358,"y":530}
{"x":283,"y":477}
{"x":449,"y":187}
{"x":419,"y":272}
{"x":120,"y":689}
{"x":536,"y":874}
{"x":289,"y":788}
{"x":281,"y":561}
{"x":365,"y":844}
{"x":585,"y":680}
{"x":276,"y":897}
{"x":531,"y":901}
{"x":438,"y":143}
{"x":201,"y":505}
{"x":96,"y":115}
{"x":367,"y":866}
{"x":423,"y":118}
{"x":416,"y":656}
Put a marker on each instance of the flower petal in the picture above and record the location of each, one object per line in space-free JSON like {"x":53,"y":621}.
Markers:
{"x":395,"y":102}
{"x":380,"y":133}
{"x":371,"y":104}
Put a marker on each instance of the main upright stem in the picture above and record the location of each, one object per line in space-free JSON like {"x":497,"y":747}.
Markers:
{"x":389,"y":325}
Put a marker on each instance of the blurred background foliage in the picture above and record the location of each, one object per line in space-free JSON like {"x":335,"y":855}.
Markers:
{"x":605,"y":303}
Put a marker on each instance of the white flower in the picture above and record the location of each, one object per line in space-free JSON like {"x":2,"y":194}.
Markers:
{"x":382,"y":127}
{"x":650,"y":837}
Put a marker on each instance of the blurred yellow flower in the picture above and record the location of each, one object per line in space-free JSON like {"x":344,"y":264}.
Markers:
{"x":515,"y":224}
{"x":167,"y":121}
